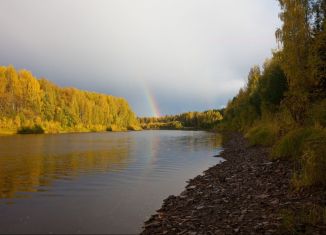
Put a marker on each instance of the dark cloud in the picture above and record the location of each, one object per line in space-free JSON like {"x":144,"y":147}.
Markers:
{"x":192,"y":55}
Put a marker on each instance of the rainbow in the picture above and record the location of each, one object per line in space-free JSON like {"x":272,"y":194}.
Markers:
{"x":152,"y":101}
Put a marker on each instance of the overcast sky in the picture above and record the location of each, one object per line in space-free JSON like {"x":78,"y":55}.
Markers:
{"x":190,"y":55}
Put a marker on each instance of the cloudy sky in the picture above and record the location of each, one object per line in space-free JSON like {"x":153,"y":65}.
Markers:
{"x":182,"y":55}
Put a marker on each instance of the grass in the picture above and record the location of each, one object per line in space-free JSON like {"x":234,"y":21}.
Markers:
{"x":303,"y":220}
{"x":263,"y":134}
{"x":291,"y":145}
{"x":307,"y":148}
{"x":317,"y":114}
{"x":312,"y":162}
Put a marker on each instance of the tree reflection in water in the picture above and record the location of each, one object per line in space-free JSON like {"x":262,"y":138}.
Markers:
{"x":32,"y":163}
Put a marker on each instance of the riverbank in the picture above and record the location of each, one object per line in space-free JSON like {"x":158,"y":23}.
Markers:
{"x":246,"y":194}
{"x":27,"y":131}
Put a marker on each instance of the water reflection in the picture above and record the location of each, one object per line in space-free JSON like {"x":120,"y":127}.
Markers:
{"x":102,"y":182}
{"x":32,"y":163}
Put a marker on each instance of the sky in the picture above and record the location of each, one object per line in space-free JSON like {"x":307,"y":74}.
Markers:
{"x":163,"y":56}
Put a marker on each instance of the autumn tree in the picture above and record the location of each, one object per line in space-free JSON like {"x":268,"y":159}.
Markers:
{"x":26,"y":101}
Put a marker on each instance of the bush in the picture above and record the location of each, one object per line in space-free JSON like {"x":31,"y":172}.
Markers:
{"x":291,"y":145}
{"x":317,"y":114}
{"x":309,"y":216}
{"x":36,"y":129}
{"x":175,"y":125}
{"x":134,"y":128}
{"x":312,"y":161}
{"x":263,"y":134}
{"x":115,"y":128}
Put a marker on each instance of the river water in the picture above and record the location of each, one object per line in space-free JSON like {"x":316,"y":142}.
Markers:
{"x":96,"y":182}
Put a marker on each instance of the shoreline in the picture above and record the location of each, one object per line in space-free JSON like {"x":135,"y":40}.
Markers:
{"x":246,"y":194}
{"x":83,"y":132}
{"x":64,"y":132}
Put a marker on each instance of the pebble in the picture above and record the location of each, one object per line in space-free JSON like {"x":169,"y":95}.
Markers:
{"x":247,"y":191}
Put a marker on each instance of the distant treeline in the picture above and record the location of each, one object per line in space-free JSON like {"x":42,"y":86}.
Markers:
{"x":31,"y":105}
{"x":283,"y":104}
{"x":189,"y":120}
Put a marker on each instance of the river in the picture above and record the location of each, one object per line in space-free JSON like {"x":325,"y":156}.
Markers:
{"x":96,"y":182}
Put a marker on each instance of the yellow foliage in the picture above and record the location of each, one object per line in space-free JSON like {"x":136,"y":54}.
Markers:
{"x":26,"y":102}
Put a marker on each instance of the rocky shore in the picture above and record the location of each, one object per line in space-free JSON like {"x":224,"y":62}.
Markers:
{"x":246,"y":194}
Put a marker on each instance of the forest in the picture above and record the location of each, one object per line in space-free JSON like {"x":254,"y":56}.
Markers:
{"x":283,"y":104}
{"x":283,"y":107}
{"x":30,"y":105}
{"x":190,"y":120}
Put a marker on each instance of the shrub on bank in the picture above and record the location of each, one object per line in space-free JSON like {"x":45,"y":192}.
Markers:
{"x":312,"y":161}
{"x":174,"y":125}
{"x":263,"y":134}
{"x":310,"y":216}
{"x":115,"y":128}
{"x":317,"y":114}
{"x":36,"y":129}
{"x":52,"y":127}
{"x":134,"y":128}
{"x":291,"y":145}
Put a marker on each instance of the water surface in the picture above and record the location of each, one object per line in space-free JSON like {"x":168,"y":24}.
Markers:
{"x":96,"y":182}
